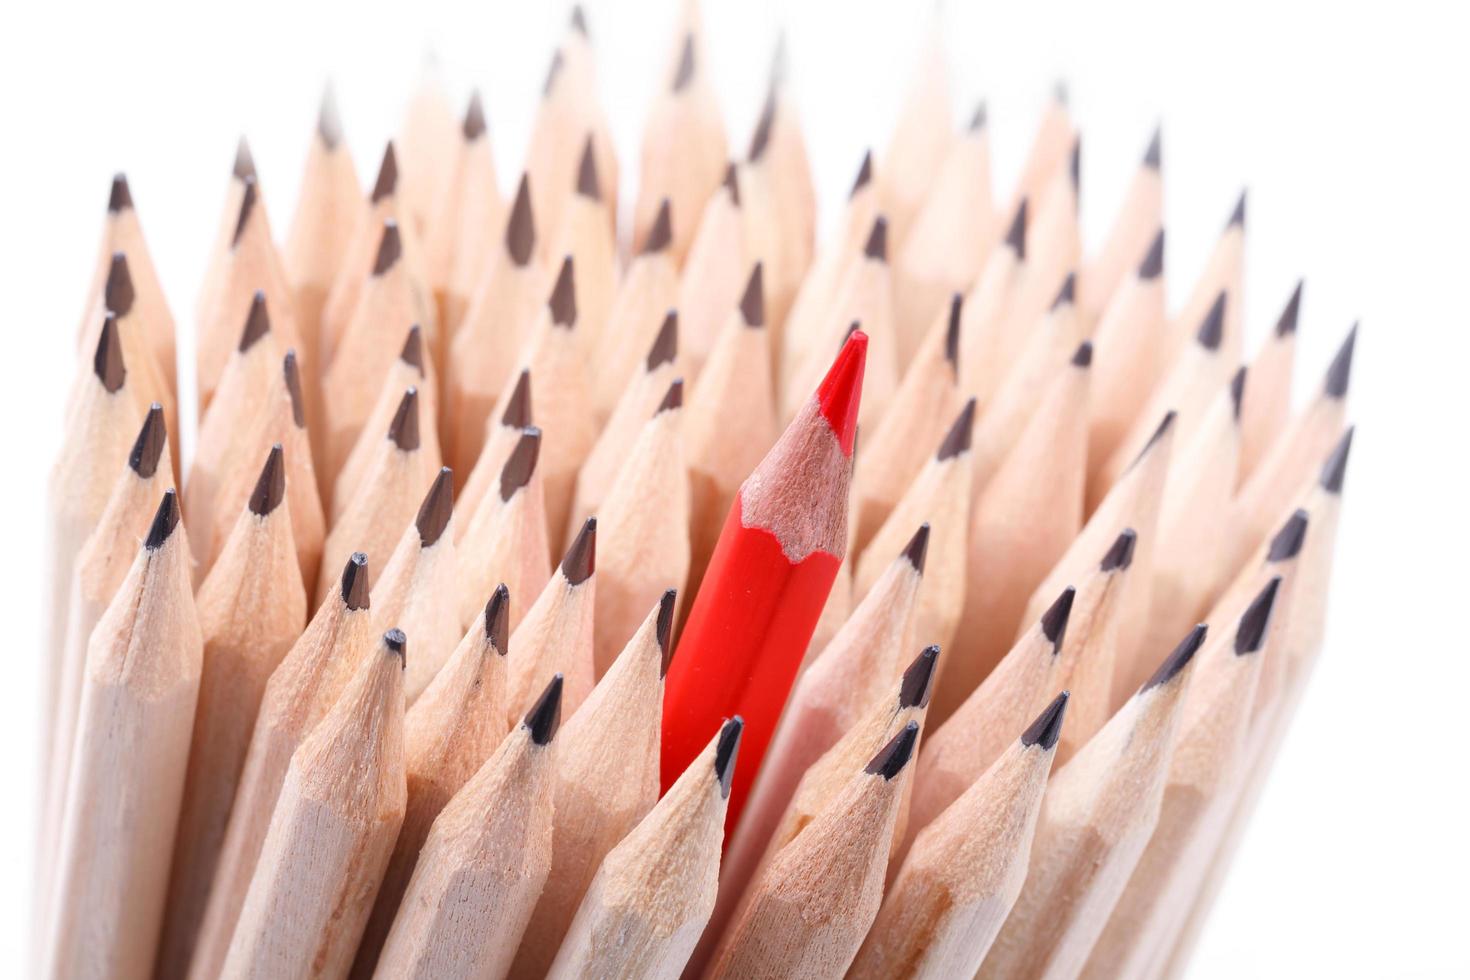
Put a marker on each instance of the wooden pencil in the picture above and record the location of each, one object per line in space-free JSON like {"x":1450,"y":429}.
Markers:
{"x":303,"y":686}
{"x":714,"y":272}
{"x":651,"y":897}
{"x":775,"y":236}
{"x":585,"y":237}
{"x":1224,"y":272}
{"x":242,"y":168}
{"x":1053,"y":239}
{"x":251,"y":607}
{"x":506,"y":540}
{"x":332,"y":832}
{"x":466,"y":212}
{"x":920,"y":139}
{"x":132,"y":742}
{"x":790,"y":164}
{"x":447,"y":736}
{"x":596,"y":805}
{"x":990,"y":337}
{"x":641,"y":306}
{"x":484,"y":862}
{"x":502,"y":434}
{"x":1055,"y":136}
{"x":1267,"y":404}
{"x":956,"y":887}
{"x":428,"y":137}
{"x":1130,"y":237}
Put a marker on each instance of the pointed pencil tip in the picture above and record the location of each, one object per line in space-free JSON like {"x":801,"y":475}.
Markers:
{"x":727,"y":750}
{"x":270,"y":487}
{"x":979,"y":118}
{"x":580,"y":560}
{"x":1212,"y":329}
{"x":520,"y":465}
{"x":877,"y":245}
{"x":247,"y":207}
{"x":292,"y":375}
{"x":864,"y":174}
{"x":1153,"y":157}
{"x":1054,"y":620}
{"x":684,"y":72}
{"x":387,"y":183}
{"x":1074,"y":169}
{"x":1082,"y":356}
{"x":663,"y":629}
{"x":520,"y":230}
{"x":544,"y":718}
{"x":760,"y":140}
{"x":578,"y":21}
{"x":1335,"y":469}
{"x":1067,"y":295}
{"x":1165,"y":425}
{"x":1237,"y":217}
{"x":841,"y":391}
{"x":404,"y":429}
{"x":1250,"y":634}
{"x":665,"y":347}
{"x":355,"y":591}
{"x":1286,"y":323}
{"x":119,"y":197}
{"x":244,"y":166}
{"x":1152,"y":265}
{"x":1286,"y":543}
{"x":952,"y":331}
{"x":412,"y":352}
{"x":436,"y":509}
{"x":1177,"y":660}
{"x":731,"y":183}
{"x":553,"y":72}
{"x":474,"y":125}
{"x":958,"y":439}
{"x":1120,"y":555}
{"x":329,"y":120}
{"x":662,"y":232}
{"x":1016,"y":236}
{"x":107,"y":362}
{"x":165,"y":519}
{"x":917,"y":550}
{"x":118,"y":294}
{"x":1047,"y":727}
{"x":257,"y":322}
{"x":517,"y":414}
{"x":1340,"y":371}
{"x":497,"y":619}
{"x":390,"y":248}
{"x":1237,"y":391}
{"x":753,"y":300}
{"x":892,"y":758}
{"x":563,"y":300}
{"x":917,"y":683}
{"x":587,"y":173}
{"x":395,"y":642}
{"x":148,"y":447}
{"x":673,"y":398}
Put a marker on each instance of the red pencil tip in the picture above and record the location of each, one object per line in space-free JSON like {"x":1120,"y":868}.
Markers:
{"x":841,"y":391}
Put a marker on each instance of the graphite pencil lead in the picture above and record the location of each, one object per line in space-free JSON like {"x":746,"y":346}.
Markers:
{"x":437,"y":508}
{"x":732,"y":184}
{"x":957,"y":439}
{"x":520,"y":231}
{"x":387,"y":182}
{"x":1067,"y":295}
{"x":662,"y":232}
{"x":107,"y":362}
{"x":917,"y":684}
{"x":244,"y":166}
{"x":864,"y":174}
{"x":1152,"y":265}
{"x":891,"y":758}
{"x":1082,"y":356}
{"x":760,"y":140}
{"x":118,"y":294}
{"x":663,"y":629}
{"x":165,"y":519}
{"x":578,"y":21}
{"x":517,"y":414}
{"x":1340,"y":371}
{"x":497,"y":618}
{"x":1153,"y":157}
{"x":292,"y":373}
{"x":665,"y":345}
{"x":1120,"y":555}
{"x":685,"y":73}
{"x":979,"y":117}
{"x":1286,"y":323}
{"x":544,"y":718}
{"x":355,"y":588}
{"x":395,"y":641}
{"x":119,"y":197}
{"x":390,"y":248}
{"x":952,"y":331}
{"x":270,"y":487}
{"x":553,"y":71}
{"x":841,"y":391}
{"x":1047,"y":727}
{"x":1212,"y":329}
{"x":328,"y":119}
{"x":1237,"y":217}
{"x":727,"y":750}
{"x":520,"y":465}
{"x":257,"y":322}
{"x":877,"y":246}
{"x":474,"y":118}
{"x":404,"y":429}
{"x":1176,"y":660}
{"x":1251,"y":632}
{"x":1286,"y":544}
{"x":917,"y":550}
{"x":563,"y":301}
{"x":1075,"y":164}
{"x":148,"y":447}
{"x":247,"y":205}
{"x":587,"y":173}
{"x":412,"y":353}
{"x":1016,"y":237}
{"x":581,"y":558}
{"x":1165,"y":424}
{"x":1335,"y":468}
{"x":673,"y":398}
{"x":1054,"y":620}
{"x":1237,"y":390}
{"x":753,"y":300}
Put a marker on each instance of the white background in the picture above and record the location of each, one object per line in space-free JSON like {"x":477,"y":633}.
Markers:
{"x":1347,"y":125}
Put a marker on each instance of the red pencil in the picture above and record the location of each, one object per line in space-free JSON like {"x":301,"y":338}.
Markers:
{"x":767,"y":582}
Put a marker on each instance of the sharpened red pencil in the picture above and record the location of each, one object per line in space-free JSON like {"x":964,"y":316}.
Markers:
{"x":767,"y":581}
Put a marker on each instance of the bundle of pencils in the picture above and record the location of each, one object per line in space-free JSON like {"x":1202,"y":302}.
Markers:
{"x":529,"y":606}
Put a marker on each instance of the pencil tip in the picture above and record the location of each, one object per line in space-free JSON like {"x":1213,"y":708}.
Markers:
{"x":841,"y":390}
{"x":1237,"y":391}
{"x":247,"y":207}
{"x":663,"y":629}
{"x":1047,"y":727}
{"x":1153,"y":157}
{"x":684,"y":73}
{"x":1075,"y":165}
{"x":165,"y":519}
{"x":1212,"y":330}
{"x":952,"y":331}
{"x":753,"y":300}
{"x":329,"y":120}
{"x":1340,"y":371}
{"x":1082,"y":356}
{"x":727,"y":750}
{"x":1286,"y":544}
{"x":497,"y":619}
{"x":1250,"y":634}
{"x":1178,"y":659}
{"x":1237,"y":217}
{"x":732,"y":184}
{"x":1060,"y":93}
{"x":760,"y":140}
{"x":544,"y":718}
{"x":662,"y":232}
{"x":979,"y":118}
{"x":292,"y":374}
{"x":1054,"y":620}
{"x":1286,"y":323}
{"x":917,"y":684}
{"x":244,"y":166}
{"x":1152,"y":265}
{"x":958,"y":439}
{"x":580,"y":560}
{"x":270,"y":487}
{"x":387,"y":182}
{"x":1067,"y":295}
{"x":412,"y":352}
{"x":404,"y":429}
{"x":553,"y":72}
{"x":118,"y":294}
{"x":1016,"y":237}
{"x":891,"y":759}
{"x":148,"y":447}
{"x":517,"y":414}
{"x":665,"y":347}
{"x":120,"y":197}
{"x":390,"y":248}
{"x":1120,"y":555}
{"x":355,"y":591}
{"x":474,"y":118}
{"x":563,"y":301}
{"x":1164,"y":426}
{"x":437,"y":508}
{"x":1335,"y":469}
{"x":257,"y":322}
{"x":587,"y":173}
{"x":520,"y":465}
{"x":520,"y":231}
{"x":107,"y":362}
{"x":864,"y":174}
{"x":877,"y":246}
{"x":673,"y":398}
{"x":917,"y":550}
{"x":395,"y":641}
{"x":579,"y":21}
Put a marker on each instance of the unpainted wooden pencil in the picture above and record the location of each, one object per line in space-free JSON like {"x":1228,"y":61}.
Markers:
{"x":641,"y":306}
{"x":1128,"y":241}
{"x":714,"y":272}
{"x":466,"y":214}
{"x":585,"y":236}
{"x":502,"y":434}
{"x":506,"y":540}
{"x":1266,"y":408}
